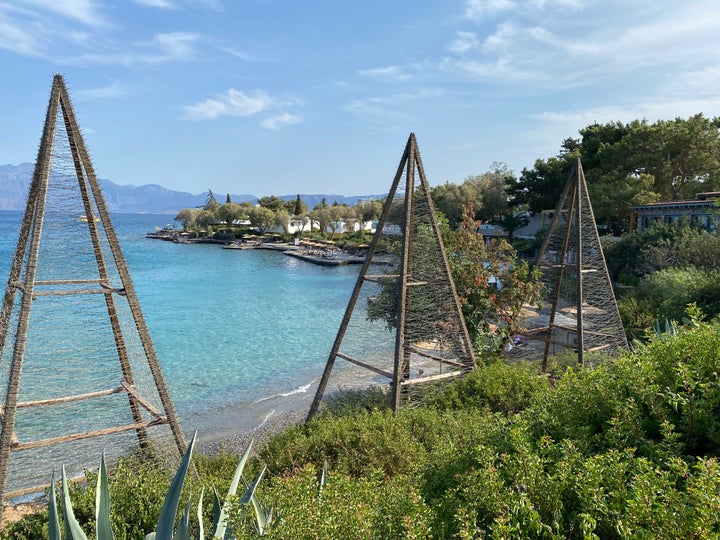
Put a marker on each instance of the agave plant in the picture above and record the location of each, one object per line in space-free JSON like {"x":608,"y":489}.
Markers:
{"x":166,"y":528}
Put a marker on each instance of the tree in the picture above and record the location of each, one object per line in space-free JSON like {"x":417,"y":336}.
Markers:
{"x":487,"y":191}
{"x":271,"y":202}
{"x":205,"y":218}
{"x":449,"y":199}
{"x":261,"y":218}
{"x":339,"y":214}
{"x":282,"y":219}
{"x":477,"y":269}
{"x":211,"y":203}
{"x":299,"y":207}
{"x":230,"y":212}
{"x":512,"y":222}
{"x":627,"y":164}
{"x":369,"y":210}
{"x":322,"y":216}
{"x":187,"y":216}
{"x":540,"y":188}
{"x":228,"y":199}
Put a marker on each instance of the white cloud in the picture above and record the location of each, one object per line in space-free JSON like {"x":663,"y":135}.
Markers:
{"x":385,"y":109}
{"x":481,"y":9}
{"x":557,"y":44}
{"x":33,"y":28}
{"x":84,"y":11}
{"x":173,"y":45}
{"x":572,"y":120}
{"x":160,"y":4}
{"x":464,"y":42}
{"x":112,"y":90}
{"x":21,"y":39}
{"x":276,"y":122}
{"x":232,"y":103}
{"x":386,"y":74}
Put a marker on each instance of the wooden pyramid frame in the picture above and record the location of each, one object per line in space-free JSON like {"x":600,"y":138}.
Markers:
{"x":410,"y":163}
{"x":21,"y":288}
{"x":578,"y":256}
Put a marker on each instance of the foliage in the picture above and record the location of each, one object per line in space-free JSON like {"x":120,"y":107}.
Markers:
{"x":496,"y":387}
{"x":492,"y":284}
{"x":372,"y":506}
{"x":661,"y":246}
{"x":486,"y":193}
{"x":666,"y":294}
{"x":513,"y":221}
{"x":299,"y":207}
{"x":230,"y":212}
{"x":627,"y":164}
{"x":261,"y":218}
{"x":627,"y":449}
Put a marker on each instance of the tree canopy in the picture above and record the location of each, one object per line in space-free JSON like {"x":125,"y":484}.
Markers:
{"x":628,"y":164}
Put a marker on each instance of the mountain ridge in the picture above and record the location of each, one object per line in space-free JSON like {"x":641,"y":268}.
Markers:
{"x":145,"y":199}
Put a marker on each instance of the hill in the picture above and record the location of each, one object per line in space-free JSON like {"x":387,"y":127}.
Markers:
{"x":145,"y":199}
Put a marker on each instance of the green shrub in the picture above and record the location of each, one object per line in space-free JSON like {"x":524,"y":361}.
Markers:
{"x":625,"y":449}
{"x":496,"y":387}
{"x":373,"y":506}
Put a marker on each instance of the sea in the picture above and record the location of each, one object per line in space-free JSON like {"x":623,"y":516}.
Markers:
{"x":242,"y":336}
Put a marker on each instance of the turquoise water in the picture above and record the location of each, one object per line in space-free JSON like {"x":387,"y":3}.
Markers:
{"x":240,"y":335}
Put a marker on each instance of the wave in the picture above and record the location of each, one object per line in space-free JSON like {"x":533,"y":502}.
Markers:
{"x":299,"y":390}
{"x":267,"y":417}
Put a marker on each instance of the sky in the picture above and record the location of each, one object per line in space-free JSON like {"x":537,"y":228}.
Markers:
{"x":276,"y":97}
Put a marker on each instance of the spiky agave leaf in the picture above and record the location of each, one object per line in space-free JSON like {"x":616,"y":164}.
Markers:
{"x":102,"y":504}
{"x":166,"y":521}
{"x":217,"y":508}
{"x":73,"y":531}
{"x":182,"y":531}
{"x":53,"y":518}
{"x":201,"y":528}
{"x":221,"y":523}
{"x":263,"y":517}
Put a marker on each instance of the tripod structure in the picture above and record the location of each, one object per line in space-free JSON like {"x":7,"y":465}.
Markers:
{"x":579,"y":305}
{"x":79,"y":363}
{"x":415,"y":295}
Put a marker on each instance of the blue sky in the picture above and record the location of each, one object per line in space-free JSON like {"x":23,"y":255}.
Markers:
{"x":319,"y":96}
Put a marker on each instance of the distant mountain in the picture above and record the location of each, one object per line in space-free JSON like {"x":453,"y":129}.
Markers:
{"x":147,"y":199}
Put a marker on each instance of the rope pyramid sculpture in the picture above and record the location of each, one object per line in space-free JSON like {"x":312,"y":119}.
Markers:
{"x":579,"y":307}
{"x":406,"y":283}
{"x":80,"y":374}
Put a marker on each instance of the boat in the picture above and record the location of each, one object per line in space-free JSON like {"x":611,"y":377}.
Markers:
{"x":84,"y":219}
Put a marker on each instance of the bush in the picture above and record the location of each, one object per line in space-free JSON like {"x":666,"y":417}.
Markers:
{"x":627,"y":449}
{"x":496,"y":387}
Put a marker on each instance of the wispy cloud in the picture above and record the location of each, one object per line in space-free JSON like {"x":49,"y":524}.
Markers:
{"x":276,"y":122}
{"x":237,"y":53}
{"x":464,"y":42}
{"x":386,"y":109}
{"x":387,"y":74}
{"x":530,"y":41}
{"x":174,"y":46}
{"x":33,"y":27}
{"x":235,"y":103}
{"x":20,"y":38}
{"x":84,"y":11}
{"x":482,"y":9}
{"x":650,"y":110}
{"x":109,"y":91}
{"x":160,"y":4}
